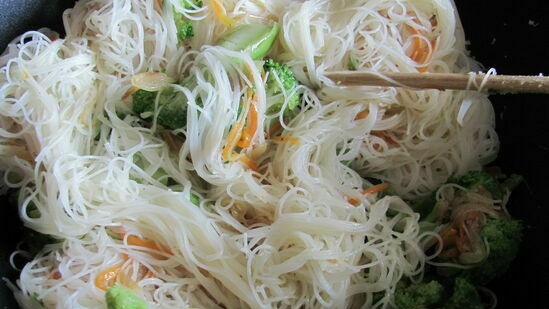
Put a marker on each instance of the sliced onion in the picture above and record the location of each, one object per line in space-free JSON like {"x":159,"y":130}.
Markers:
{"x":151,"y":81}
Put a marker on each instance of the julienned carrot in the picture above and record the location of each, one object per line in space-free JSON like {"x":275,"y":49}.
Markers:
{"x":235,"y":134}
{"x":376,"y":188}
{"x":251,"y":125}
{"x":133,"y":240}
{"x":275,"y":128}
{"x":107,"y":277}
{"x":371,"y":190}
{"x":221,"y":13}
{"x":362,"y":114}
{"x":286,"y":138}
{"x":422,"y":49}
{"x":159,"y":5}
{"x":251,"y":164}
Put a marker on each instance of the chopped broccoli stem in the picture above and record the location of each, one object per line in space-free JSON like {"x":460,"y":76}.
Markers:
{"x":255,"y":39}
{"x":118,"y":297}
{"x":280,"y":82}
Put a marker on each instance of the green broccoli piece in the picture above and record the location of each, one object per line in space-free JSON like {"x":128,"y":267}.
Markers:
{"x":184,"y":26}
{"x":142,"y":162}
{"x":280,"y":80}
{"x":194,"y":199}
{"x":465,"y":295}
{"x":191,"y":4}
{"x":118,"y":297}
{"x":503,"y":237}
{"x":475,"y":179}
{"x":254,"y":39}
{"x":418,"y":295}
{"x":172,"y":106}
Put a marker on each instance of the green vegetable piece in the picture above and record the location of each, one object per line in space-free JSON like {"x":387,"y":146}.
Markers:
{"x":194,"y":199}
{"x":172,"y":107}
{"x":419,"y":295}
{"x":465,"y":295}
{"x":184,"y":26}
{"x":119,"y":297}
{"x":503,"y":237}
{"x":142,"y":162}
{"x":256,"y":39}
{"x":191,"y":4}
{"x":280,"y":80}
{"x":475,"y":179}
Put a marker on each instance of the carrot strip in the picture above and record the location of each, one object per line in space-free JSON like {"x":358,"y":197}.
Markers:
{"x":158,"y":5}
{"x":376,"y":188}
{"x":275,"y":128}
{"x":422,"y":49}
{"x":251,"y":125}
{"x":221,"y":13}
{"x":371,"y":190}
{"x":128,"y":93}
{"x":140,"y":242}
{"x":107,"y":277}
{"x":362,"y":114}
{"x":234,"y":136}
{"x":286,"y":138}
{"x":353,"y":201}
{"x":251,"y":164}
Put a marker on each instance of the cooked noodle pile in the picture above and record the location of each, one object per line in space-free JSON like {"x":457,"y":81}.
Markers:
{"x":287,"y":221}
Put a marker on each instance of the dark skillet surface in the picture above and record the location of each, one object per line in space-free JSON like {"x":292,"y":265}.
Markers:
{"x":513,"y":37}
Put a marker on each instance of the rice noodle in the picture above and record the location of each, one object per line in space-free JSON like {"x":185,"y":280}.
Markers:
{"x":284,"y":234}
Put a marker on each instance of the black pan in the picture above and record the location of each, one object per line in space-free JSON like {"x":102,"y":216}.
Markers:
{"x":511,"y":36}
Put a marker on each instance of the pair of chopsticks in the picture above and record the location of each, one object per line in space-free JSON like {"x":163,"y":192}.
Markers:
{"x":441,"y":81}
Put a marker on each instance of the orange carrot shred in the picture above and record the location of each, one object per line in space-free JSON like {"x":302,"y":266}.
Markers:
{"x":251,"y":164}
{"x":107,"y":277}
{"x":286,"y":138}
{"x":421,"y":50}
{"x":376,"y":188}
{"x":251,"y":126}
{"x":362,"y":114}
{"x":140,"y":242}
{"x":221,"y":13}
{"x":275,"y":128}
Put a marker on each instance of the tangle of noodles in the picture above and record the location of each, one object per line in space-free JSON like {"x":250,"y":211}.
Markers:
{"x":295,"y":230}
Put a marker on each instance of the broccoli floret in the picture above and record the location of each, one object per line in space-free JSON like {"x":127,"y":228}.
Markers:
{"x":465,"y":295}
{"x":280,"y":81}
{"x":184,"y":26}
{"x":172,"y":106}
{"x":475,"y":179}
{"x":118,"y":297}
{"x":503,"y":237}
{"x":418,"y":295}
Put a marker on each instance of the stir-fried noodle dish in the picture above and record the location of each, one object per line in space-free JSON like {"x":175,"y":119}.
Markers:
{"x":187,"y":153}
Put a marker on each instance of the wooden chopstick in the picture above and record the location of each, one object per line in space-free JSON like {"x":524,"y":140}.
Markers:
{"x":472,"y":81}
